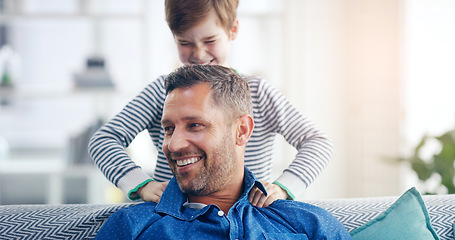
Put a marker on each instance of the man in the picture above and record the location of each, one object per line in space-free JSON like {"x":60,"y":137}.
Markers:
{"x":207,"y":123}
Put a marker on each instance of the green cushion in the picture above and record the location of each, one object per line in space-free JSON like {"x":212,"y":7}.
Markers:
{"x":407,"y":218}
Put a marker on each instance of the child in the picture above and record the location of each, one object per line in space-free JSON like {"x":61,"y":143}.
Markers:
{"x":203,"y":31}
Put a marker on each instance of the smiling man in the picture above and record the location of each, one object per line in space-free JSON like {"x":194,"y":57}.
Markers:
{"x":207,"y":123}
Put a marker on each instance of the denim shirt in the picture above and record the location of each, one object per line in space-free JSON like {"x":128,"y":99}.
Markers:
{"x":170,"y":219}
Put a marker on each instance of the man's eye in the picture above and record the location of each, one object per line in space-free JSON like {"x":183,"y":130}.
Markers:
{"x":168,"y":130}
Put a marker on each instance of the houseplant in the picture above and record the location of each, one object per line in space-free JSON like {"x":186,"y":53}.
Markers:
{"x":439,"y":166}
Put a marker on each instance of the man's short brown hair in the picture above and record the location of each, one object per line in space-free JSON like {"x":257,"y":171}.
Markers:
{"x":182,"y":15}
{"x":229,"y":91}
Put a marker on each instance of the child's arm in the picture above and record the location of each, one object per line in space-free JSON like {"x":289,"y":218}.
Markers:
{"x":314,"y":149}
{"x":107,"y":146}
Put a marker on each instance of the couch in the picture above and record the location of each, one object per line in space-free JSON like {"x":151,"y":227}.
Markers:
{"x":82,"y":221}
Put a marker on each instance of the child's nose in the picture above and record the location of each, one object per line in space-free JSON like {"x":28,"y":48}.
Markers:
{"x":199,"y":53}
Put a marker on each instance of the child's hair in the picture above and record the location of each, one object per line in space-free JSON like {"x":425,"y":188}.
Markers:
{"x":182,"y":15}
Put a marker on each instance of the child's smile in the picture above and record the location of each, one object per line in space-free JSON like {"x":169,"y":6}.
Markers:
{"x":206,"y":43}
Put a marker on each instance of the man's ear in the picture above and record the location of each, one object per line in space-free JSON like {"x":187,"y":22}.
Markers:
{"x":234,"y":30}
{"x":245,"y":125}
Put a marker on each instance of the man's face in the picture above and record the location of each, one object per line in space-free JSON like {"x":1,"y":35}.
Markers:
{"x":206,"y":43}
{"x":198,"y":143}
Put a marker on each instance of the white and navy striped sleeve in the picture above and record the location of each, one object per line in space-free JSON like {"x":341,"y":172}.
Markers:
{"x":274,"y":113}
{"x":107,"y":146}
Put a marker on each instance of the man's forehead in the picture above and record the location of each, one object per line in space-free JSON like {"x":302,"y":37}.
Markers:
{"x":189,"y":100}
{"x":194,"y":94}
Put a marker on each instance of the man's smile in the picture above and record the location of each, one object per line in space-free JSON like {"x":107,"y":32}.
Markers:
{"x":187,"y":161}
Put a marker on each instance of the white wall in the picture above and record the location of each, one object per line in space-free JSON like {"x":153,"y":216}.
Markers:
{"x":343,"y":69}
{"x":376,"y":75}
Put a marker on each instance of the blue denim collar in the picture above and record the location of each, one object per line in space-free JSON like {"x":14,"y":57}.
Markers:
{"x":173,"y":198}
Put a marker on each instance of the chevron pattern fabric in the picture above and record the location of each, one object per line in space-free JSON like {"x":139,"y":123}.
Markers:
{"x":83,"y":221}
{"x":53,"y":221}
{"x":353,"y":213}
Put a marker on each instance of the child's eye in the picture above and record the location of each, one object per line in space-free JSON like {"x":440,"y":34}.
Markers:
{"x":184,"y":43}
{"x":195,"y":125}
{"x":210,"y":41}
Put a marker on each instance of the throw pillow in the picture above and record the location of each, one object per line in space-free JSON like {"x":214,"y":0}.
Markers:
{"x":407,"y":218}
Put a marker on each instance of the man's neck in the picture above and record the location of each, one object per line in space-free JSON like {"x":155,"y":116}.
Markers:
{"x":224,"y":199}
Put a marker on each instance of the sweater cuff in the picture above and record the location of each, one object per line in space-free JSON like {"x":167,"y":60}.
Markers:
{"x":291,"y":184}
{"x":132,"y":181}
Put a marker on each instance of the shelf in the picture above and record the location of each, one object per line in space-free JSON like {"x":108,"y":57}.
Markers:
{"x":18,"y":10}
{"x":35,"y":92}
{"x":59,"y":16}
{"x":30,"y":166}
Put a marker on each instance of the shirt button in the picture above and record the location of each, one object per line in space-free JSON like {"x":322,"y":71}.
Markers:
{"x":220,"y":213}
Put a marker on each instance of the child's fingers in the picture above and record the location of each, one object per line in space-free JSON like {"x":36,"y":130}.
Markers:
{"x":274,"y":192}
{"x":255,"y":195}
{"x":152,"y":191}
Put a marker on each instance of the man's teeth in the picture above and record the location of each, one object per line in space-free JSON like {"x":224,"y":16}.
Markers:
{"x":187,"y":161}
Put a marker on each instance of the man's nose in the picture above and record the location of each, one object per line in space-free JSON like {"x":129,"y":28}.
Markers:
{"x":178,"y":141}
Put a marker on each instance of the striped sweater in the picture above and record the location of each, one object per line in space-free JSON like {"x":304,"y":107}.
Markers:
{"x":272,"y":112}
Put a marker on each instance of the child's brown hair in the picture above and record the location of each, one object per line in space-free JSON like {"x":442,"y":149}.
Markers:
{"x":182,"y":15}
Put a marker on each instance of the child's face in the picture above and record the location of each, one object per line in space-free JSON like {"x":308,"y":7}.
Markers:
{"x":206,"y":43}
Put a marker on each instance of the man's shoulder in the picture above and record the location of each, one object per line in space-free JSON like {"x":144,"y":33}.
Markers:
{"x":127,"y":223}
{"x":294,"y":209}
{"x":309,"y":217}
{"x":294,"y":204}
{"x":145,"y":208}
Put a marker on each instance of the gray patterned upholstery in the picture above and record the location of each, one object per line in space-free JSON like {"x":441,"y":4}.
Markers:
{"x":83,"y":221}
{"x":80,"y":221}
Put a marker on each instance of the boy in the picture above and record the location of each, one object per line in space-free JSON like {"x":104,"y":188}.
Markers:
{"x":203,"y":30}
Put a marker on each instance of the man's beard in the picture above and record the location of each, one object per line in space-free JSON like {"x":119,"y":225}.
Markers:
{"x":214,"y":174}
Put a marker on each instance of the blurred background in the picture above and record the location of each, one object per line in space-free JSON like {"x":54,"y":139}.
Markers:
{"x":375,"y":75}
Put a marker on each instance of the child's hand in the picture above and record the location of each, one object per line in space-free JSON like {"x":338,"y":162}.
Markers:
{"x":152,"y":191}
{"x":274,"y":192}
